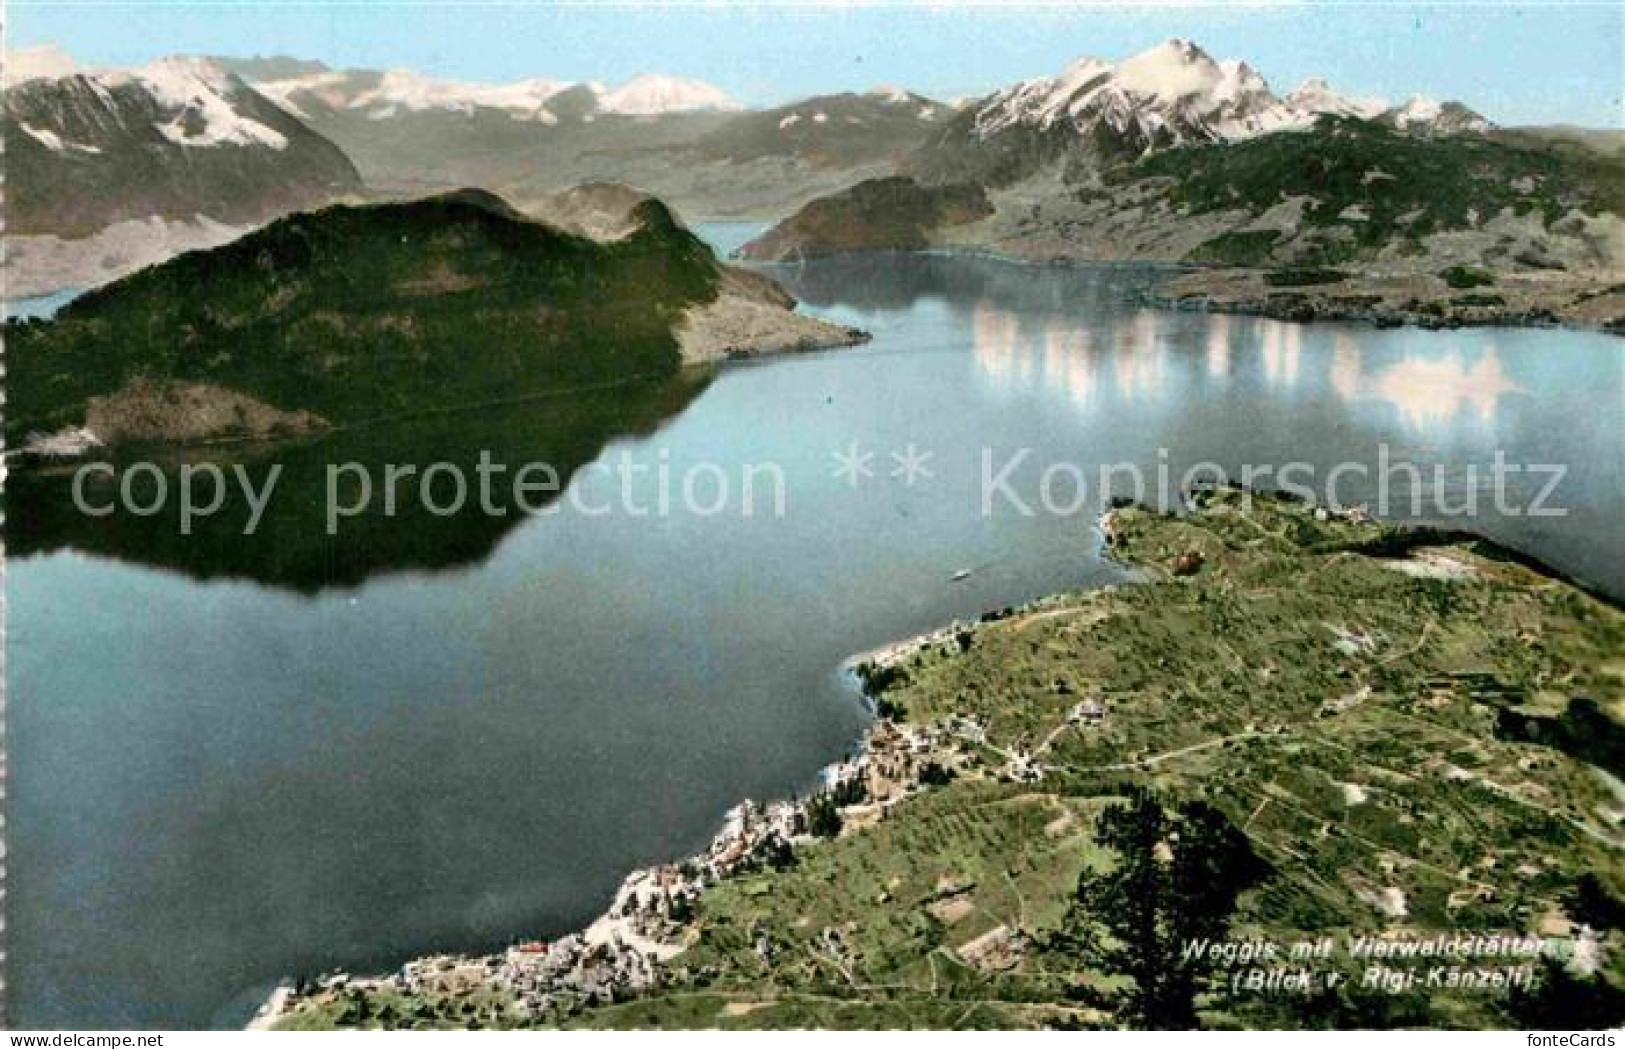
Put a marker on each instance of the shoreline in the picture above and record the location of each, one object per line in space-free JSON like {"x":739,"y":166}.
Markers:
{"x":624,"y":946}
{"x":1390,"y":300}
{"x":622,"y":952}
{"x":623,"y":949}
{"x":1420,"y":300}
{"x":635,"y":928}
{"x":76,"y":444}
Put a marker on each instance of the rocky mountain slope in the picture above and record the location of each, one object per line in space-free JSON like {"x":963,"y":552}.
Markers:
{"x":1097,"y":113}
{"x":176,"y":140}
{"x":359,"y":313}
{"x":844,"y":130}
{"x":1344,"y":190}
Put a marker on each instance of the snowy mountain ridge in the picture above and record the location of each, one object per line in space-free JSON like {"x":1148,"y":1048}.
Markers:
{"x":1176,"y":92}
{"x":190,"y":101}
{"x":175,"y":139}
{"x":1171,"y":93}
{"x":383,"y":95}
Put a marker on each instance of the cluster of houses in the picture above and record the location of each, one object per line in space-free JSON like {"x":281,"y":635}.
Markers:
{"x":622,"y":954}
{"x":892,"y":761}
{"x":445,"y":974}
{"x":575,"y":970}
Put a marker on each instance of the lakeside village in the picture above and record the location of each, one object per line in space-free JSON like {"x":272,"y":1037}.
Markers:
{"x":628,"y":949}
{"x":631,"y":948}
{"x":625,"y":952}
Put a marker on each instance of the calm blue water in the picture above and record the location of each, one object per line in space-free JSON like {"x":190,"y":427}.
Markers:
{"x":39,"y":305}
{"x":228,"y":766}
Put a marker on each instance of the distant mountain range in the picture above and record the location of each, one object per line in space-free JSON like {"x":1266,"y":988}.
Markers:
{"x":112,"y":170}
{"x":382,"y":95}
{"x":1097,"y":112}
{"x":1173,"y":155}
{"x":1176,"y":92}
{"x":185,"y":151}
{"x":682,"y":139}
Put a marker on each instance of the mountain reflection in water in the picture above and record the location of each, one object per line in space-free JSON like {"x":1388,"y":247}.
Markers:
{"x":291,"y":546}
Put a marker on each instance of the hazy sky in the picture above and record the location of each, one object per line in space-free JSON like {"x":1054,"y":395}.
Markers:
{"x":1515,"y":62}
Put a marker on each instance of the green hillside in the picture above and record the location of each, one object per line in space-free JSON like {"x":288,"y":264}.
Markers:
{"x":362,"y":312}
{"x":883,"y":214}
{"x":1379,"y":185}
{"x":1352,"y":729}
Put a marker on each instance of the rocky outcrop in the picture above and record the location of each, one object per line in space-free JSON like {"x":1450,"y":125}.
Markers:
{"x":601,"y":211}
{"x":752,"y":316}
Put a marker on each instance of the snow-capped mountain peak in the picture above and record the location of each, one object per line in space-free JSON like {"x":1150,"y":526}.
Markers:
{"x":331,"y":88}
{"x":1176,"y":92}
{"x":1171,"y":93}
{"x":405,"y":89}
{"x":177,"y":138}
{"x":1419,"y":107}
{"x":652,"y":94}
{"x":1429,"y":115}
{"x":1237,"y":79}
{"x":1170,"y":71}
{"x":1040,"y":101}
{"x":1315,"y":97}
{"x":198,"y":103}
{"x":184,"y":72}
{"x":890,"y":93}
